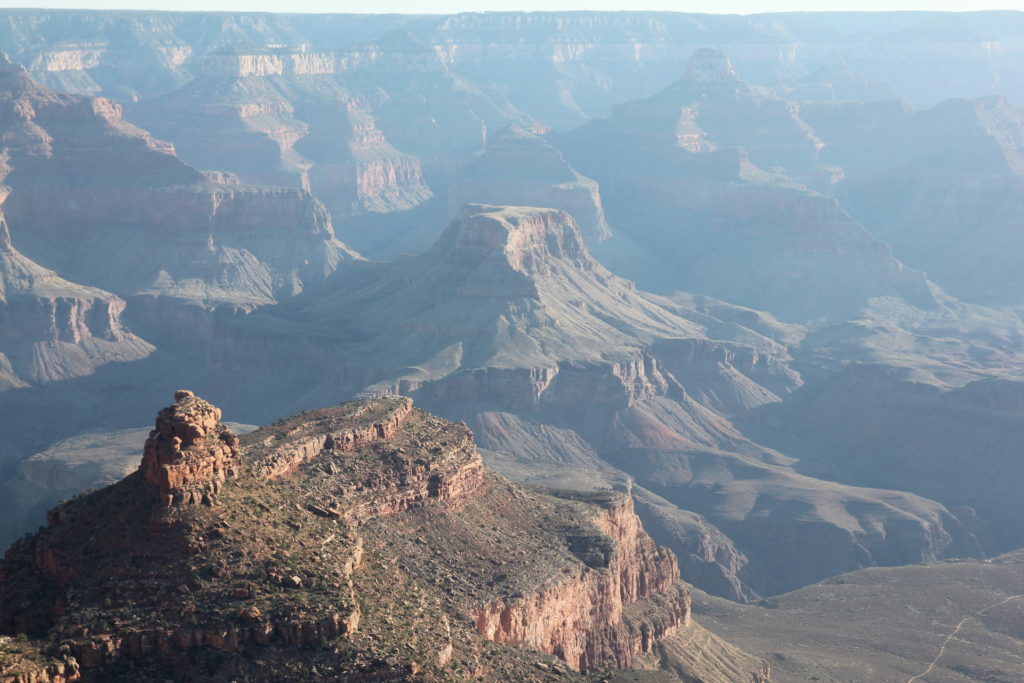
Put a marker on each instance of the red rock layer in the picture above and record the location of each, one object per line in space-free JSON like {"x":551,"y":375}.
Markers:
{"x":433,"y":481}
{"x":598,"y":618}
{"x":53,"y":672}
{"x":288,"y":457}
{"x":91,"y":653}
{"x":453,"y":471}
{"x":190,"y":453}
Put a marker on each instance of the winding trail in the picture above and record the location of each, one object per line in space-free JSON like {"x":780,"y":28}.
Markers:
{"x":952,"y":635}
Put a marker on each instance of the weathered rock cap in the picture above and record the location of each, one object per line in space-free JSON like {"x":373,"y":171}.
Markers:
{"x":190,"y":453}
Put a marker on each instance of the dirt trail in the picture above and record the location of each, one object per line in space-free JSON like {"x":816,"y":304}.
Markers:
{"x":952,"y":635}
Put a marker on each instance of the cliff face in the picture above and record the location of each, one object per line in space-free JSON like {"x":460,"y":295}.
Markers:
{"x":52,"y":329}
{"x":561,"y":618}
{"x":90,"y":193}
{"x":720,"y":171}
{"x":316,"y":135}
{"x":301,"y":558}
{"x":365,"y":130}
{"x":560,"y":67}
{"x":519,"y":168}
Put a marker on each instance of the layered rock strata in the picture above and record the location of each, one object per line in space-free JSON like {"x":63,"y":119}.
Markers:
{"x":52,"y":329}
{"x":454,"y":472}
{"x":96,"y":197}
{"x":519,"y":168}
{"x":603,"y":618}
{"x":297,"y":441}
{"x":190,"y":453}
{"x":321,"y":543}
{"x":721,"y":173}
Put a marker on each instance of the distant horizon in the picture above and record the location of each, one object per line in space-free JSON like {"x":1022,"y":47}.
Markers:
{"x":740,"y":7}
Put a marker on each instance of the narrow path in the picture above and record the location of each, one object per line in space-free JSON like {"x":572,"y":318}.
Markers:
{"x":952,"y":635}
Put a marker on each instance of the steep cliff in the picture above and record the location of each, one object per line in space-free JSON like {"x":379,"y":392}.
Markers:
{"x":52,"y":329}
{"x":365,"y":129}
{"x":519,"y":168}
{"x":707,"y":185}
{"x":309,"y":132}
{"x":97,"y":198}
{"x":637,"y":571}
{"x":389,"y":544}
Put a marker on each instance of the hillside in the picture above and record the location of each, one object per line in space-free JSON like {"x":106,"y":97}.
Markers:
{"x":366,"y":541}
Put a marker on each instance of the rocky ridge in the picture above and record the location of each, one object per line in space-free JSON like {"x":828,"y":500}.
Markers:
{"x":292,"y":557}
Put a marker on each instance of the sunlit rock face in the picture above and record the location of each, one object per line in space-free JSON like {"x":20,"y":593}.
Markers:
{"x":553,"y":583}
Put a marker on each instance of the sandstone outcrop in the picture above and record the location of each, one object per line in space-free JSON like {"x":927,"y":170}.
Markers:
{"x":598,"y":619}
{"x":453,"y":473}
{"x":389,"y":535}
{"x":293,"y":443}
{"x":190,"y":454}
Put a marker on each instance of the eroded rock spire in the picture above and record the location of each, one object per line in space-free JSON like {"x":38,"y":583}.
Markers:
{"x":190,"y":453}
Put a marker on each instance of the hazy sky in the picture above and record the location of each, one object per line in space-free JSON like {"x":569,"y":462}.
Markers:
{"x":446,"y":6}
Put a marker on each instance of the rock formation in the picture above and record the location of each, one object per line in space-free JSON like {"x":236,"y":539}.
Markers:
{"x":361,"y":129}
{"x":767,"y":455}
{"x":560,"y":67}
{"x":96,"y":197}
{"x":265,"y":128}
{"x":562,"y":367}
{"x":343,"y":548}
{"x":190,"y":453}
{"x":519,"y":168}
{"x":52,"y":329}
{"x":942,"y":185}
{"x":719,"y":172}
{"x":636,"y":570}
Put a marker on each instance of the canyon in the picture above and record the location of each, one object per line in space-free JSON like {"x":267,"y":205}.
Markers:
{"x":725,"y":300}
